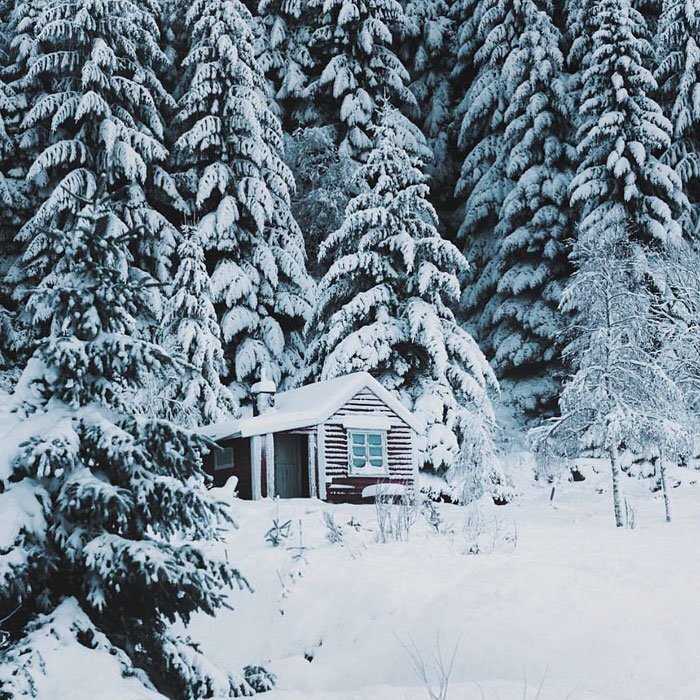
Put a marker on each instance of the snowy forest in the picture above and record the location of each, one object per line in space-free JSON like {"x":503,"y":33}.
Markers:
{"x":491,"y":206}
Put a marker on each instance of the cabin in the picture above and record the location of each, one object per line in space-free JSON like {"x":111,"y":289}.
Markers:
{"x":338,"y":440}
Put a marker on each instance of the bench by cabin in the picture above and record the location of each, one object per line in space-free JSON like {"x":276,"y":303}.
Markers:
{"x":337,"y":440}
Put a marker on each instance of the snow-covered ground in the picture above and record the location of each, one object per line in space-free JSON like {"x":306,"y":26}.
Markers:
{"x":537,"y":599}
{"x":556,"y":597}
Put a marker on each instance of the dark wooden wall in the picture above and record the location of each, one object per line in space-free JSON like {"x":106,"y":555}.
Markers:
{"x":241,"y":467}
{"x":342,"y":486}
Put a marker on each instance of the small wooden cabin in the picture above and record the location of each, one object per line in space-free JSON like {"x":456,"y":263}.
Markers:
{"x":332,"y":440}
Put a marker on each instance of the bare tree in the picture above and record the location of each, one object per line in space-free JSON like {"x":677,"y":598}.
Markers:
{"x":622,"y":392}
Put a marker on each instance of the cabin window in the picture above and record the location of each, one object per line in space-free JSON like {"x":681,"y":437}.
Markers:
{"x":223,"y":458}
{"x":367,"y":452}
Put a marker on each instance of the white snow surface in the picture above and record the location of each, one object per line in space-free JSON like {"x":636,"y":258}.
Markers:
{"x":556,"y":597}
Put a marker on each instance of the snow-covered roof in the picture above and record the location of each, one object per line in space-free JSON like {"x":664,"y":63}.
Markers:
{"x":310,"y":405}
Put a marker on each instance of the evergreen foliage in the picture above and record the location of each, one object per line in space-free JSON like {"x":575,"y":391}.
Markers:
{"x":355,"y":67}
{"x":483,"y":185}
{"x":521,"y":321}
{"x":516,"y":179}
{"x":190,"y":333}
{"x":113,"y":505}
{"x":229,"y":157}
{"x":286,"y":57}
{"x":622,"y":134}
{"x":678,"y":76}
{"x":95,"y":124}
{"x":629,"y":204}
{"x":386,"y":304}
{"x":324,"y":186}
{"x":427,"y":39}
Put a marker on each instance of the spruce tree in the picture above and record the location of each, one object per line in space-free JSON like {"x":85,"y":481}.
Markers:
{"x":12,"y":203}
{"x":194,"y":394}
{"x":386,"y":305}
{"x":355,"y":67}
{"x":520,"y":322}
{"x":427,"y":38}
{"x":230,"y":169}
{"x":113,"y":513}
{"x":324,"y":186}
{"x":483,"y":185}
{"x":14,"y":194}
{"x":623,"y":134}
{"x":678,"y":76}
{"x":285,"y":56}
{"x":96,"y":125}
{"x":514,"y":183}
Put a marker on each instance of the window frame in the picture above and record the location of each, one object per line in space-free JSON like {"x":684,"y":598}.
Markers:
{"x":368,"y":471}
{"x":221,"y":450}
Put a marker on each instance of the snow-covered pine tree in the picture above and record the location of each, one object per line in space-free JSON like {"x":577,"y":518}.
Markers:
{"x":521,"y":322}
{"x":111,"y":507}
{"x":386,"y":306}
{"x":96,"y":125}
{"x":324,"y":186}
{"x":355,"y":67}
{"x":678,"y":76}
{"x":12,"y":201}
{"x":194,"y":394}
{"x":580,"y":27}
{"x":229,"y":158}
{"x":427,"y":39}
{"x":483,"y":185}
{"x":629,"y":204}
{"x":622,"y":134}
{"x":285,"y":57}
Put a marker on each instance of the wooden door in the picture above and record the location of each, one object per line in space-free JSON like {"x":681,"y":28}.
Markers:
{"x":290,"y":465}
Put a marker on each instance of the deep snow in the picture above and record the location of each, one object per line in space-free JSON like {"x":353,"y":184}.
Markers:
{"x":555,"y":597}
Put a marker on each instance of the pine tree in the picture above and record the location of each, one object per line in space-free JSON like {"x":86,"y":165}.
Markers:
{"x":520,"y":321}
{"x":427,"y":40}
{"x":482,"y":185}
{"x":112,"y":506}
{"x":12,"y":202}
{"x":678,"y":75}
{"x":514,"y":183}
{"x":324,"y":186}
{"x":386,"y":305}
{"x":229,"y":158}
{"x":622,"y":134}
{"x":14,"y":195}
{"x":355,"y":67}
{"x":190,"y":332}
{"x":285,"y":57}
{"x":96,"y":125}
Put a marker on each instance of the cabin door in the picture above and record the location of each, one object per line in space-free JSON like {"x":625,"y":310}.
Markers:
{"x":291,"y":478}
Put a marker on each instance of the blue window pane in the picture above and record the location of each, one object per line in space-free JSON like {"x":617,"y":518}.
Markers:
{"x":358,"y":451}
{"x":375,"y":439}
{"x":358,"y":438}
{"x":375,"y":451}
{"x":376,"y":462}
{"x":358,"y":463}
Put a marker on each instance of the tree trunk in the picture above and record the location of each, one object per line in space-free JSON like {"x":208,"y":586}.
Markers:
{"x":616,"y":491}
{"x":664,"y":486}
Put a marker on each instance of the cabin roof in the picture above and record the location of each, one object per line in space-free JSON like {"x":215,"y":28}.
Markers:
{"x":310,"y":405}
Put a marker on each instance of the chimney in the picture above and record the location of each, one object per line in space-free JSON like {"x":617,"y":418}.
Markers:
{"x":264,"y":394}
